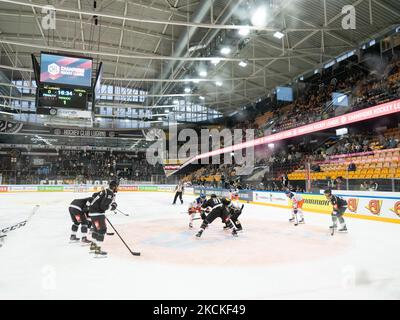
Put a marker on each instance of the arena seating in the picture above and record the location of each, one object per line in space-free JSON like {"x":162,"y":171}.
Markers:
{"x":381,"y":164}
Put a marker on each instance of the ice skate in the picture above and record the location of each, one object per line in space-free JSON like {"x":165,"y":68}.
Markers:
{"x":85,"y":241}
{"x":73,"y":239}
{"x":198,"y":234}
{"x":93,"y":247}
{"x":100,"y":253}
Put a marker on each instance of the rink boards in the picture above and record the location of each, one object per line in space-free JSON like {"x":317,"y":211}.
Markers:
{"x":379,"y":206}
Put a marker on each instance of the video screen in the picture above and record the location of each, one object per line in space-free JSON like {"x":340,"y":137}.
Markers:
{"x":63,"y":70}
{"x":284,"y":94}
{"x":340,"y":99}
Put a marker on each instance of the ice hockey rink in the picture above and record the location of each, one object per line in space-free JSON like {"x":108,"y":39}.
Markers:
{"x":272,"y":259}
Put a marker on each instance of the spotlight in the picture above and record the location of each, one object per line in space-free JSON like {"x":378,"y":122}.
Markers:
{"x":215,"y":61}
{"x":202,"y":98}
{"x":259,"y":17}
{"x":218,"y":83}
{"x":243,"y":64}
{"x":203,"y":73}
{"x":176,"y":101}
{"x":279,"y":35}
{"x":187,"y":90}
{"x":245,"y":31}
{"x":226,"y":50}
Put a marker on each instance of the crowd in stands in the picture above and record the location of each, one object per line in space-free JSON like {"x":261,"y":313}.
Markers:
{"x":79,"y":165}
{"x":288,"y":158}
{"x":363,"y":88}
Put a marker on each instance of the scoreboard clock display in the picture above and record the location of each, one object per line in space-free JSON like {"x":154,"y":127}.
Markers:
{"x":56,"y":97}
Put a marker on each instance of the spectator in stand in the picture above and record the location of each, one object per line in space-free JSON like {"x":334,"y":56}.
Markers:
{"x":373,"y":186}
{"x":285,"y":181}
{"x":352,"y":167}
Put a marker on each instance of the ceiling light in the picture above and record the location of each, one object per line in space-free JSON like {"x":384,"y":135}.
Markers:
{"x":203,"y":73}
{"x":187,"y":90}
{"x":218,"y":83}
{"x":259,"y":17}
{"x":176,"y":101}
{"x":226,"y":50}
{"x":201,"y":98}
{"x":279,"y":35}
{"x":243,"y":64}
{"x":244,"y":31}
{"x":196,"y":80}
{"x":215,"y":61}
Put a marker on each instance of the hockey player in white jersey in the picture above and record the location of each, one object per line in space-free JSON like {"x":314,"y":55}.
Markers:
{"x":297,"y":207}
{"x":195,"y":208}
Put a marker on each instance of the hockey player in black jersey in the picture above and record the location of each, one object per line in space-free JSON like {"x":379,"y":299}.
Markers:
{"x":235,"y":212}
{"x":102,"y":201}
{"x":216,"y":208}
{"x":78,"y":210}
{"x":339,"y":208}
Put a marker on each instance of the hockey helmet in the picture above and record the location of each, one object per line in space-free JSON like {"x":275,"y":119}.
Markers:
{"x":203,"y":196}
{"x":328,"y":193}
{"x":226,"y":201}
{"x":113,"y":185}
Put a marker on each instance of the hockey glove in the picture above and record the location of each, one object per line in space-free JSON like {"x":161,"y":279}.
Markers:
{"x":113,"y":206}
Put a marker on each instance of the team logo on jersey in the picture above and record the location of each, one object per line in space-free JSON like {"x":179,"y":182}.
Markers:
{"x":374,"y":206}
{"x":352,"y":204}
{"x":396,"y":208}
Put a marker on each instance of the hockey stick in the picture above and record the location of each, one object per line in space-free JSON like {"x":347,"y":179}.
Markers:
{"x":333,"y":227}
{"x":333,"y":230}
{"x":20,"y":224}
{"x":132,"y":252}
{"x":125,"y":214}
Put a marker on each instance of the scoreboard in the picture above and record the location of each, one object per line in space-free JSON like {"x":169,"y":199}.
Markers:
{"x":64,"y":86}
{"x":57,"y":97}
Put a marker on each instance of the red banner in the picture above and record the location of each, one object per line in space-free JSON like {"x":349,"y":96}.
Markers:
{"x":3,"y":189}
{"x":128,"y":188}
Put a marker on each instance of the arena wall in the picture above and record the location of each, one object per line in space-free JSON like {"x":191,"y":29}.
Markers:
{"x":378,"y":206}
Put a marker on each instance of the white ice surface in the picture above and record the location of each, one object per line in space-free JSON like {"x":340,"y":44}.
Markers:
{"x":272,"y":259}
